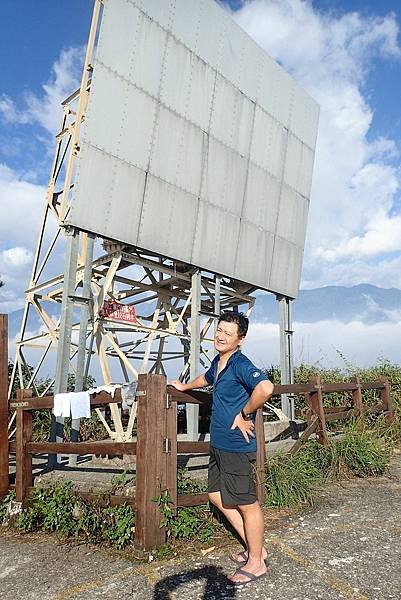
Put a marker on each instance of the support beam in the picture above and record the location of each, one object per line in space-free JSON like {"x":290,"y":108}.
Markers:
{"x":88,"y":241}
{"x":64,"y":343}
{"x":4,"y":477}
{"x":194,"y":358}
{"x":217,"y":302}
{"x":286,"y":352}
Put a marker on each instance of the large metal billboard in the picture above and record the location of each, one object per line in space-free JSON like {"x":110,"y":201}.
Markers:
{"x":196,"y":144}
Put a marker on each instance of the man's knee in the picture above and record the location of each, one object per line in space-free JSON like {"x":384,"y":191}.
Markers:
{"x":249,"y":508}
{"x":215,"y":498}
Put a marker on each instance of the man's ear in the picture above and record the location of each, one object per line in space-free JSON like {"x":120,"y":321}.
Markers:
{"x":241,"y":341}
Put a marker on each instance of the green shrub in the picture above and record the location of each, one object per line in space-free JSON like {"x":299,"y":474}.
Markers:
{"x":362,"y":452}
{"x":292,"y":480}
{"x":188,"y":485}
{"x":189,"y":523}
{"x":4,"y":504}
{"x":120,"y":525}
{"x":56,"y":508}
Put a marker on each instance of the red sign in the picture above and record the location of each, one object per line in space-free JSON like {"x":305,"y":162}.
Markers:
{"x":117,"y":311}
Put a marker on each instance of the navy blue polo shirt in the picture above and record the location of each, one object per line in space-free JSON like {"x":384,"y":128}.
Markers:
{"x":231,"y":391}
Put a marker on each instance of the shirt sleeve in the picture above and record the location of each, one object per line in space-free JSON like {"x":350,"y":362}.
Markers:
{"x":250,"y":376}
{"x":209,"y":375}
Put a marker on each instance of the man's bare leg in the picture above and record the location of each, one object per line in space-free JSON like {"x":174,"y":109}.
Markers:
{"x":235,"y":517}
{"x":253,"y":521}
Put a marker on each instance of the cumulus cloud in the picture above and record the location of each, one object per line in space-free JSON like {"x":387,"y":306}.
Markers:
{"x":15,"y":257}
{"x":45,"y":108}
{"x":9,"y":111}
{"x":65,"y":78}
{"x":327,"y":343}
{"x":356,"y":181}
{"x":21,"y":205}
{"x":21,"y":199}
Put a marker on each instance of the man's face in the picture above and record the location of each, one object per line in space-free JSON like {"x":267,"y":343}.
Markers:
{"x":226,"y":338}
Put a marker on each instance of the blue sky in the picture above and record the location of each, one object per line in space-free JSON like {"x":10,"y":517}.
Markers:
{"x":46,"y":27}
{"x":348,"y":57}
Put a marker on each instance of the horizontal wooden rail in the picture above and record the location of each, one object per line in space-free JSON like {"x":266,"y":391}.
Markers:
{"x":192,"y":499}
{"x":205,"y":397}
{"x":332,"y":415}
{"x":340,"y":416}
{"x":293,"y":388}
{"x":191,"y":397}
{"x":103,"y":498}
{"x":81,"y":447}
{"x":40,"y":402}
{"x":193,"y":447}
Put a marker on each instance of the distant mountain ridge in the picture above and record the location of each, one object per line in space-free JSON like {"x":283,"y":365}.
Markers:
{"x":364,"y":302}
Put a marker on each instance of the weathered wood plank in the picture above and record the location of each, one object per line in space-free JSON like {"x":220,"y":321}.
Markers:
{"x":170,"y":455}
{"x":193,"y":447}
{"x":311,"y":428}
{"x":192,"y":499}
{"x":100,"y":499}
{"x":4,"y":476}
{"x":260,"y":457}
{"x":39,"y":402}
{"x":110,"y":448}
{"x":316,"y":403}
{"x":150,"y":461}
{"x":23,"y":460}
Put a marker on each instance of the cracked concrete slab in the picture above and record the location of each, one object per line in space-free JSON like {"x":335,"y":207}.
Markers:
{"x":348,"y":547}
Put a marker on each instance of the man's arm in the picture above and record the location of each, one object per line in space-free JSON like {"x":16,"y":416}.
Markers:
{"x":198,"y":382}
{"x":259,"y":396}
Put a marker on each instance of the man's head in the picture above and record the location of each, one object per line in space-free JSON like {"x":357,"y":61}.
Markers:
{"x":231,"y":330}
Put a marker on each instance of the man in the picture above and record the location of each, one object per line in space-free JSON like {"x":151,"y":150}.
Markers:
{"x":239,"y":389}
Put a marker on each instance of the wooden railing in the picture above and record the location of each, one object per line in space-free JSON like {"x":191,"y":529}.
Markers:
{"x":157,"y":447}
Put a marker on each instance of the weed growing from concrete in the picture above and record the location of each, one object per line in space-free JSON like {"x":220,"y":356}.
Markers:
{"x":57,"y":509}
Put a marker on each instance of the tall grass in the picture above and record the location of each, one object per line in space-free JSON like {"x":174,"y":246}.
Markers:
{"x":360,"y":452}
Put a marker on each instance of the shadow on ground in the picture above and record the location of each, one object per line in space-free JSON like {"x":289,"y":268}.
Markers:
{"x":216,"y":586}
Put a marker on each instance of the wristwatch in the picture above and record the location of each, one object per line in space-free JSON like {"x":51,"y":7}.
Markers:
{"x":245,"y":416}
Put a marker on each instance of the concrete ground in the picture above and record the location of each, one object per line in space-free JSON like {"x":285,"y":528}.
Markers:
{"x":347,"y":547}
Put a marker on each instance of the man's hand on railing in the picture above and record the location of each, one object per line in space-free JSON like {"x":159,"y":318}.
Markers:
{"x":178,"y":385}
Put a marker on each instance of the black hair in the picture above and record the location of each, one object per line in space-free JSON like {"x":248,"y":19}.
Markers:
{"x":236,"y":317}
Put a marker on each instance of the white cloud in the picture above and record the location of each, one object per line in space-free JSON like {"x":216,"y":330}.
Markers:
{"x":9,"y":111}
{"x":327,"y":343}
{"x":15,"y":258}
{"x":15,"y":267}
{"x":21,"y":205}
{"x":355,"y":181}
{"x":65,"y":78}
{"x":45,"y":108}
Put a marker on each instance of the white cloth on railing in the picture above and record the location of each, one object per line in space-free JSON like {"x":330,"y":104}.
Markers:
{"x":128,"y":394}
{"x":110,"y":389}
{"x":62,"y":405}
{"x":80,"y":405}
{"x":72,"y":404}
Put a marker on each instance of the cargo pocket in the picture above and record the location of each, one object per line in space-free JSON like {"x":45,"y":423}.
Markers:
{"x":239,"y":478}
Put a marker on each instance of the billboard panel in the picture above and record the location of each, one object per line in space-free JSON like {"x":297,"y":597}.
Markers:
{"x":196,"y":145}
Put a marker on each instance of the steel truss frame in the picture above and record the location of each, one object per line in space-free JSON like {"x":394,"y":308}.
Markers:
{"x":176,"y":304}
{"x":174,"y":301}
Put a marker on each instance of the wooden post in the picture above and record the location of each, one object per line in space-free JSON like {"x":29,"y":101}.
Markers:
{"x":23,"y":460}
{"x":170,"y":454}
{"x":151,"y":476}
{"x":260,"y":457}
{"x":357,"y":397}
{"x":4,"y":477}
{"x":316,"y":403}
{"x":386,"y":399}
